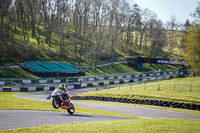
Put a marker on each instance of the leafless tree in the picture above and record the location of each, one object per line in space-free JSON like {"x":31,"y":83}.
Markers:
{"x":4,"y":5}
{"x":146,"y":16}
{"x":157,"y":36}
{"x":172,"y":27}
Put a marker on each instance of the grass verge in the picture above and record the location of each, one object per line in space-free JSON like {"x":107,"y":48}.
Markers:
{"x":184,"y":90}
{"x":8,"y":102}
{"x":125,"y":126}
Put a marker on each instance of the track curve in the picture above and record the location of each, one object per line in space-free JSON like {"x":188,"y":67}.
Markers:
{"x":129,"y":110}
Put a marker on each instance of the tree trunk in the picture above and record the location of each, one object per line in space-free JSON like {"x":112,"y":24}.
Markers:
{"x":141,"y":37}
{"x":33,"y":26}
{"x":1,"y":29}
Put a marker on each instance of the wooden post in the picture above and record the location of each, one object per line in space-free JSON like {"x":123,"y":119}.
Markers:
{"x":174,"y":87}
{"x":159,"y":87}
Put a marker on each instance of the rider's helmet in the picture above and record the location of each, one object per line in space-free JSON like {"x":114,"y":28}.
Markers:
{"x":61,"y":86}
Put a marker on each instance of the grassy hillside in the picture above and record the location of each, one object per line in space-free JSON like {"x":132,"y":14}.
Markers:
{"x":16,"y":73}
{"x":17,"y":50}
{"x":112,"y":69}
{"x":124,"y":68}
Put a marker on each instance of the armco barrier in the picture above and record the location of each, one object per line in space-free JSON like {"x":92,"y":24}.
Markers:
{"x":10,"y":82}
{"x":27,"y":89}
{"x":141,"y":101}
{"x":78,"y":85}
{"x":84,"y":84}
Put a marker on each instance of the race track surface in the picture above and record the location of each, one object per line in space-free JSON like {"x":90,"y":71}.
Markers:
{"x":129,"y":110}
{"x":11,"y":119}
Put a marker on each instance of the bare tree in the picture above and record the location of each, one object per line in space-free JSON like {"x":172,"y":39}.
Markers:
{"x":62,"y":12}
{"x":31,"y":6}
{"x":146,"y":16}
{"x":4,"y":5}
{"x":172,"y":27}
{"x":22,"y":18}
{"x":157,"y":36}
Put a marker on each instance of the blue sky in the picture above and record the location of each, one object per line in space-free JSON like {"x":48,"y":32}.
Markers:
{"x":164,"y":9}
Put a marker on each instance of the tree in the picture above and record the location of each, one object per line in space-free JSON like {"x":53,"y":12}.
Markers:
{"x":172,"y":33}
{"x":136,"y":22}
{"x":62,"y":15}
{"x":146,"y":16}
{"x":196,"y":14}
{"x":31,"y":6}
{"x":4,"y":5}
{"x":192,"y":51}
{"x":100,"y":19}
{"x":22,"y":17}
{"x":186,"y":25}
{"x":157,"y":36}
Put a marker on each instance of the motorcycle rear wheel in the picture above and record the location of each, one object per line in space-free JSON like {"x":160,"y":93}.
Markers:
{"x":71,"y":110}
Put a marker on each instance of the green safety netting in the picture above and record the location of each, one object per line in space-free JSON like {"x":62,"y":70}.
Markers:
{"x":52,"y":67}
{"x":68,"y":67}
{"x":35,"y":66}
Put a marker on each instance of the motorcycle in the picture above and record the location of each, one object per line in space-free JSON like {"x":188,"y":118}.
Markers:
{"x":59,"y":100}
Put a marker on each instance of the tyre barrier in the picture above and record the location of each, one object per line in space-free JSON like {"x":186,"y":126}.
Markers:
{"x":141,"y":101}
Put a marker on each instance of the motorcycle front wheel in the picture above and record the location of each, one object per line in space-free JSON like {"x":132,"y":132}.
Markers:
{"x":55,"y":104}
{"x":71,"y":110}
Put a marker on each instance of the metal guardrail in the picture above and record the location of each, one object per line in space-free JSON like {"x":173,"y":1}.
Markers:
{"x":96,"y":83}
{"x":13,"y":81}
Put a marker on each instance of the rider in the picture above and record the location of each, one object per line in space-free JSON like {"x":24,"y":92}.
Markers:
{"x":61,"y":88}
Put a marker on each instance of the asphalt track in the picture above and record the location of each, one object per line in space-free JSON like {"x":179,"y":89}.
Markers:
{"x":11,"y":119}
{"x":129,"y":110}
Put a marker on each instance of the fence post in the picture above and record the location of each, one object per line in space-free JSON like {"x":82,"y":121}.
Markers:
{"x":190,"y":87}
{"x":174,"y":87}
{"x":159,"y":87}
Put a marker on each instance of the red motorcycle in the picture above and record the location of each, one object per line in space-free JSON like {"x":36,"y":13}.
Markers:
{"x":60,"y":100}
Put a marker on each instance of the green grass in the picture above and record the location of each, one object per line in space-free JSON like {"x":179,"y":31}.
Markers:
{"x":15,"y":73}
{"x":180,"y":93}
{"x":157,"y":67}
{"x":112,"y":69}
{"x":124,"y":68}
{"x":122,"y":126}
{"x":8,"y":102}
